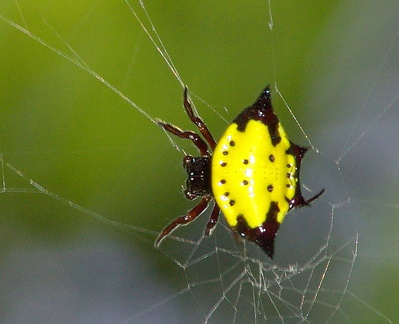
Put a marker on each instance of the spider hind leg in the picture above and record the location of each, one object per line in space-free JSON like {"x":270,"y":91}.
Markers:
{"x":212,"y":220}
{"x":183,"y":220}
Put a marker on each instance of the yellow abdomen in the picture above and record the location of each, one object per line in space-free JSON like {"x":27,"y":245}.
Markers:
{"x":250,"y":175}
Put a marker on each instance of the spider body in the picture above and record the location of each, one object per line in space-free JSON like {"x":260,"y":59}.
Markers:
{"x":252,"y":173}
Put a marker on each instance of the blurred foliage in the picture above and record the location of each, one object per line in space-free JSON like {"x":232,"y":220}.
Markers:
{"x":74,"y":136}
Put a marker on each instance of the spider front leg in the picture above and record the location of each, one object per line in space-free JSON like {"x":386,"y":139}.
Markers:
{"x":198,"y":121}
{"x":183,"y":220}
{"x":195,"y":138}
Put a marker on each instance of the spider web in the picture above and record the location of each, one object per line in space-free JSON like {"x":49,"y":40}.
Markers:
{"x":83,"y":175}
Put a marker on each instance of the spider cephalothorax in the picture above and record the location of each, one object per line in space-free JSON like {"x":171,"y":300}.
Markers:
{"x":198,"y":176}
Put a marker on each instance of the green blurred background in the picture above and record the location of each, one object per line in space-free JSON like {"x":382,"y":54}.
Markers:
{"x":336,"y":64}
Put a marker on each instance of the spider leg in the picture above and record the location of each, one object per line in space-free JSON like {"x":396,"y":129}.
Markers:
{"x":183,"y":220}
{"x":195,"y":138}
{"x":198,"y":121}
{"x":212,"y":220}
{"x":189,"y":195}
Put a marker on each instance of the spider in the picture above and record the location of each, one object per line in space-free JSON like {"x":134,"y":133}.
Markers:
{"x":252,"y":173}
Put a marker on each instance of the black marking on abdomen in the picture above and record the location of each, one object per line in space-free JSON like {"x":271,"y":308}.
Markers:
{"x":261,"y":110}
{"x":263,"y":235}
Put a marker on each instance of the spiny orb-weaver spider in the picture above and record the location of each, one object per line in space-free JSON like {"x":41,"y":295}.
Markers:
{"x":252,"y":173}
